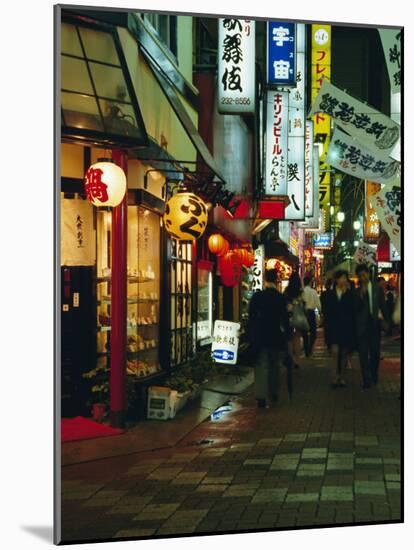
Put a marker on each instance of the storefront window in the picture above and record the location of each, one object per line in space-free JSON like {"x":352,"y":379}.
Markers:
{"x":143,"y":290}
{"x":204,"y":303}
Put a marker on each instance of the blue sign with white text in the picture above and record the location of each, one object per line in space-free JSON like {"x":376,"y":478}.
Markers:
{"x":224,"y":354}
{"x":281,"y":53}
{"x":323,"y":240}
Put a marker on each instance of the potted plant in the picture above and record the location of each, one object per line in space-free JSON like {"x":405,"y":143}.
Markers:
{"x":99,"y":399}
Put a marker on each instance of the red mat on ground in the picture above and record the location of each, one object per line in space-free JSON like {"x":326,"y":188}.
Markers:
{"x":78,"y":428}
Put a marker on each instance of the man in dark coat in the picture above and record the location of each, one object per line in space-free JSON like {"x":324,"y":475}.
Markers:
{"x":340,"y":318}
{"x":268,"y":331}
{"x":370,"y":310}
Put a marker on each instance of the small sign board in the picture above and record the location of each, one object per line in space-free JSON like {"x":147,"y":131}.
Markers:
{"x":225,"y":342}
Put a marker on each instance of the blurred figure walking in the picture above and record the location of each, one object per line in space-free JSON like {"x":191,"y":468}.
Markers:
{"x":340,"y":317}
{"x":312,"y":302}
{"x":370,"y":310}
{"x":298,"y":321}
{"x":268,"y":333}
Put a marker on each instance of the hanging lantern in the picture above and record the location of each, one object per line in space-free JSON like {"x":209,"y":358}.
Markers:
{"x":244,"y":256}
{"x":185,"y":216}
{"x":217,"y":244}
{"x":250,"y":259}
{"x":105,"y":183}
{"x":230,"y":269}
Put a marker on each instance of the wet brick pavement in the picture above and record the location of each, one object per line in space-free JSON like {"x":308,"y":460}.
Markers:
{"x":326,"y":457}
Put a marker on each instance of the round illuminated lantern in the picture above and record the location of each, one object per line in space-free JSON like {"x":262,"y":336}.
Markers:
{"x":218,"y":245}
{"x":185,"y":216}
{"x":105,"y":183}
{"x":244,"y":256}
{"x":230,"y":269}
{"x":250,"y":259}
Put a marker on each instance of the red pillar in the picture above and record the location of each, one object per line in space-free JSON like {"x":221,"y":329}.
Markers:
{"x":119,"y":305}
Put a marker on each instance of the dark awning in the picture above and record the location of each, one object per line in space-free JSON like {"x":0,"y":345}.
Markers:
{"x":169,"y":80}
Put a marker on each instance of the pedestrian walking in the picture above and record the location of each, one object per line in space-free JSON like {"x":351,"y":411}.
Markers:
{"x":298,"y":322}
{"x":390,"y":305}
{"x":324,"y":312}
{"x":340,"y":316}
{"x":312,"y":302}
{"x":369,"y":305}
{"x":268,"y":333}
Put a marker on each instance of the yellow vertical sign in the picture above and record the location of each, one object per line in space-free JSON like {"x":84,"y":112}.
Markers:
{"x":321,"y":68}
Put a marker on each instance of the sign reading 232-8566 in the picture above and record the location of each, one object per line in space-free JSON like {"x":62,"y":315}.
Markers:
{"x":236,"y":66}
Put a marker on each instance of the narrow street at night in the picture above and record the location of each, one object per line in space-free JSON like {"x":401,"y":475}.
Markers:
{"x":328,"y":456}
{"x":230,"y":275}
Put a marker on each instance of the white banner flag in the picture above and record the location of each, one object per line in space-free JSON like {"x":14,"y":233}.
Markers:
{"x":365,"y":254}
{"x":391,"y":43}
{"x":78,"y":238}
{"x":387,"y":204}
{"x":350,"y":156}
{"x":371,"y":128}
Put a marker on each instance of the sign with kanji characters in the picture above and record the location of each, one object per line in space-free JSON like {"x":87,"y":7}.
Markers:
{"x":296,"y":136}
{"x":372,"y":226}
{"x":78,"y":237}
{"x":320,"y":70}
{"x":365,"y":254}
{"x":391,"y":43}
{"x":309,"y":196}
{"x":281,"y":53}
{"x":387,"y":204}
{"x":236,"y":66}
{"x":257,"y":270}
{"x":225,"y":342}
{"x":277,"y":125}
{"x":314,"y":222}
{"x":374,"y":130}
{"x":349,"y":156}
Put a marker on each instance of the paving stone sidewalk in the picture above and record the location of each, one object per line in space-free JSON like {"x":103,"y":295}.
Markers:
{"x":326,"y":457}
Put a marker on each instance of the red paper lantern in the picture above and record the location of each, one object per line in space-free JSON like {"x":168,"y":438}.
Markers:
{"x":217,"y":244}
{"x":250,"y":259}
{"x":230,"y":269}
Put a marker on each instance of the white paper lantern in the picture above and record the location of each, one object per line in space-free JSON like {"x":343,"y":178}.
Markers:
{"x":105,"y":184}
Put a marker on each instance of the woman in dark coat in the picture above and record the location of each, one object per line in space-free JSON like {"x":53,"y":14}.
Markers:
{"x":341,"y":319}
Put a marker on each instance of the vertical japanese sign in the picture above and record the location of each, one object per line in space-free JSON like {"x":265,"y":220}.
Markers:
{"x":256,"y":271}
{"x":277,"y":123}
{"x":321,"y":68}
{"x":296,"y":136}
{"x":387,"y":204}
{"x":225,"y":342}
{"x":236,"y":66}
{"x":372,"y":226}
{"x":391,"y":43}
{"x":309,"y":196}
{"x":365,"y":254}
{"x":78,"y":237}
{"x":313,"y":222}
{"x":281,"y":69}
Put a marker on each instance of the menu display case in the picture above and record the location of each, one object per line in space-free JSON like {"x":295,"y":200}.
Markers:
{"x":143,"y":291}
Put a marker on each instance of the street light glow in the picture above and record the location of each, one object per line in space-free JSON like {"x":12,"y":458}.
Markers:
{"x":340,"y":216}
{"x":357,"y":225}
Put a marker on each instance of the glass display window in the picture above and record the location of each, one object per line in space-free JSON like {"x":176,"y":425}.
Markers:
{"x":143,"y":309}
{"x":143,"y":290}
{"x":204,"y":302}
